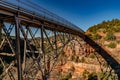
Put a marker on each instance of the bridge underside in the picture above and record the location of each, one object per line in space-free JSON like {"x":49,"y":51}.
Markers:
{"x":29,"y":48}
{"x":34,"y":44}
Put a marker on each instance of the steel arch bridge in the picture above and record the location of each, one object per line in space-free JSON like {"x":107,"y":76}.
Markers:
{"x":36,"y":38}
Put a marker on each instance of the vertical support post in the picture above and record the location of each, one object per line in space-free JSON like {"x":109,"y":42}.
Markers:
{"x":55,"y":43}
{"x":63,"y":35}
{"x":0,"y":32}
{"x":25,"y":48}
{"x":43,"y":52}
{"x":18,"y":55}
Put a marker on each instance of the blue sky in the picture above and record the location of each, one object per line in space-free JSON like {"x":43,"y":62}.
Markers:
{"x":83,"y":13}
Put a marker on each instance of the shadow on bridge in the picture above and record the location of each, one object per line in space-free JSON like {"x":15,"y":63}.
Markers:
{"x":105,"y":54}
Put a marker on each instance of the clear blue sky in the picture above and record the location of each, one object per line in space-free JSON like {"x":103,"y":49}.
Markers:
{"x":83,"y":13}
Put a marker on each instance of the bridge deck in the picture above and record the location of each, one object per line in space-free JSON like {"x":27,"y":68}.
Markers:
{"x":36,"y":19}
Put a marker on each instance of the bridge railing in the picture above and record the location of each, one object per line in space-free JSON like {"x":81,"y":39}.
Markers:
{"x":31,"y":8}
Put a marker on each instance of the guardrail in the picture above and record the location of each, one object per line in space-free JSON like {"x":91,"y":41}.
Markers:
{"x":38,"y":11}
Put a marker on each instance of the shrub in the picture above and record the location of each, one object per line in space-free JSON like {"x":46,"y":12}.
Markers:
{"x":112,"y":45}
{"x":72,"y":68}
{"x":110,"y":37}
{"x":92,"y":76}
{"x":97,"y":37}
{"x":85,"y":74}
{"x":82,"y":60}
{"x":102,"y":75}
{"x":92,"y":56}
{"x":75,"y":58}
{"x":118,"y":41}
{"x":67,"y":76}
{"x":89,"y":35}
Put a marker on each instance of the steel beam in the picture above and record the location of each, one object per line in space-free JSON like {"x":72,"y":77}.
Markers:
{"x":25,"y":49}
{"x":0,"y":32}
{"x":18,"y":55}
{"x":43,"y":52}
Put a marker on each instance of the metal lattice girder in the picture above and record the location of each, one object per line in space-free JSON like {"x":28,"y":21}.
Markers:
{"x":7,"y":60}
{"x":8,"y":37}
{"x":43,"y":58}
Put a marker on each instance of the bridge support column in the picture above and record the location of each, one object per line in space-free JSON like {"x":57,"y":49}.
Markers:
{"x":0,"y":32}
{"x":25,"y":51}
{"x":44,"y":77}
{"x":18,"y":55}
{"x":118,"y":74}
{"x":56,"y":52}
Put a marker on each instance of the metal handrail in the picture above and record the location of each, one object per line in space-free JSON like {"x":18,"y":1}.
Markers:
{"x":40,"y":12}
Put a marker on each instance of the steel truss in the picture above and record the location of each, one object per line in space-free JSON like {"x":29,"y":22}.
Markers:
{"x":34,"y":51}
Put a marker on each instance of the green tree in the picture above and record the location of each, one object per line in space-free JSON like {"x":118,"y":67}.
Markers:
{"x":0,"y":33}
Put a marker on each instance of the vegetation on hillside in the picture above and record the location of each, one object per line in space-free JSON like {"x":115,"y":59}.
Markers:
{"x":106,"y":34}
{"x":112,"y":45}
{"x":105,"y":30}
{"x":110,"y":36}
{"x":106,"y":26}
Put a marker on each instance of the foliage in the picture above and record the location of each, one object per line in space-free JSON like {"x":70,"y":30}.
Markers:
{"x":118,"y":41}
{"x":112,"y":45}
{"x":92,"y":76}
{"x":89,"y":35}
{"x":102,"y":75}
{"x":67,"y":76}
{"x":89,"y":76}
{"x":82,"y":60}
{"x":97,"y":37}
{"x":92,"y":56}
{"x":106,"y":27}
{"x":75,"y":58}
{"x":110,"y":37}
{"x":72,"y":68}
{"x":85,"y":74}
